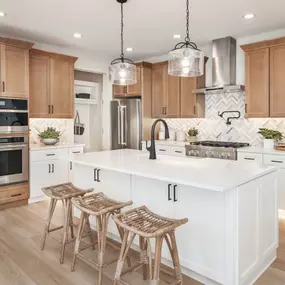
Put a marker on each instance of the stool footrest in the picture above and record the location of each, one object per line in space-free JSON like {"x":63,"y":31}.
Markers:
{"x":55,"y":229}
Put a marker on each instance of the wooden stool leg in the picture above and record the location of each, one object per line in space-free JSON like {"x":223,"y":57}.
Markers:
{"x":143,"y":256}
{"x":89,"y":231}
{"x":121,"y":233}
{"x":157,"y":258}
{"x":120,"y":263}
{"x":78,"y":239}
{"x":71,"y":222}
{"x":66,"y":212}
{"x":48,"y":222}
{"x":175,"y":257}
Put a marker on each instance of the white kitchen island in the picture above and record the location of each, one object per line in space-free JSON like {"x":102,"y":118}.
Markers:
{"x":232,"y":234}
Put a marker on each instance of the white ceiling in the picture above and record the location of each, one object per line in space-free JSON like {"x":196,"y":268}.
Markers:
{"x":149,"y":24}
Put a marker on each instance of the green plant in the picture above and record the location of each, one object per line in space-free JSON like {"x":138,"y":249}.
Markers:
{"x":193,"y":132}
{"x":271,"y":134}
{"x":50,"y":133}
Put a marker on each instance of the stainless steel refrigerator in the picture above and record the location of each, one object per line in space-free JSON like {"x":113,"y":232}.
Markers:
{"x":126,"y":123}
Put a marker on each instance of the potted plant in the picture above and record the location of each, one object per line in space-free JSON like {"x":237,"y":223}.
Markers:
{"x":192,"y":135}
{"x":270,"y":137}
{"x":50,"y":136}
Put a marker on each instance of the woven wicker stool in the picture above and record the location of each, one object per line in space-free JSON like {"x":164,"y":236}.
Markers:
{"x":147,"y":225}
{"x":64,"y":192}
{"x":102,"y":208}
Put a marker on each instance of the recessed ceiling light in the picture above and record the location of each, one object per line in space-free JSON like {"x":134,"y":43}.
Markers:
{"x":2,"y":14}
{"x":176,"y":36}
{"x":77,"y":35}
{"x":129,"y":49}
{"x":248,"y":16}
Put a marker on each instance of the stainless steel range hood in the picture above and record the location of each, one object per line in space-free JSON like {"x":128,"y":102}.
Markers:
{"x":223,"y":67}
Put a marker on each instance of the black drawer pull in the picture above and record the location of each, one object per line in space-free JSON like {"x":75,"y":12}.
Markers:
{"x":162,"y":149}
{"x":178,"y":151}
{"x":49,"y":168}
{"x":95,"y":174}
{"x":277,"y":161}
{"x":16,"y":195}
{"x":76,"y":151}
{"x":175,"y":196}
{"x":169,"y":190}
{"x":98,"y":175}
{"x":50,"y":154}
{"x":249,"y":158}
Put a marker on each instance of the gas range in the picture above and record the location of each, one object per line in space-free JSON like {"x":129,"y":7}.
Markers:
{"x":214,"y":149}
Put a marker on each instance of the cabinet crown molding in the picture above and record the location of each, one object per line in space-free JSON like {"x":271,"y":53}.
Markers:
{"x":263,"y":44}
{"x":16,"y":43}
{"x":143,"y":64}
{"x":53,"y":55}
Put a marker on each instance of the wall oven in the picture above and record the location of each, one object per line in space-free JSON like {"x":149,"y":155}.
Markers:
{"x":14,"y":115}
{"x":14,"y":159}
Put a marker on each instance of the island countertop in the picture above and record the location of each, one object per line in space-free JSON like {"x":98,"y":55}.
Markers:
{"x":207,"y":173}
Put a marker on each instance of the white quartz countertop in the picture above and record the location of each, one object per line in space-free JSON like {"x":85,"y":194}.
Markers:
{"x":206,"y":173}
{"x":260,"y":150}
{"x":168,"y":142}
{"x":41,"y":146}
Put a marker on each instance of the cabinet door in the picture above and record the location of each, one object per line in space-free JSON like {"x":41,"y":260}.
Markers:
{"x":40,"y":177}
{"x":188,"y":99}
{"x":119,"y":91}
{"x":257,"y":83}
{"x":159,"y":89}
{"x":39,"y":87}
{"x":172,"y":107}
{"x":61,"y":88}
{"x":136,"y":89}
{"x":59,"y":171}
{"x":14,"y":72}
{"x":277,"y":82}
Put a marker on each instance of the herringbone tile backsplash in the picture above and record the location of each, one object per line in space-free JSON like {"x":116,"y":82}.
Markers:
{"x":214,"y":128}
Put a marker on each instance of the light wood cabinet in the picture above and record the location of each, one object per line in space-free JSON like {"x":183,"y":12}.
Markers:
{"x":14,"y":68}
{"x":136,"y":89}
{"x":277,"y":81}
{"x":51,"y":85}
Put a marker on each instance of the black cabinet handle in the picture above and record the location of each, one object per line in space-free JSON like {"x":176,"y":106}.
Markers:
{"x":49,"y":168}
{"x":194,"y":110}
{"x":95,"y":174}
{"x":277,"y":161}
{"x":174,"y":191}
{"x":49,"y":109}
{"x":178,"y":151}
{"x":16,"y":195}
{"x":52,"y":109}
{"x":52,"y":168}
{"x":70,"y":163}
{"x":249,"y":158}
{"x":98,"y":175}
{"x":3,"y":86}
{"x":162,"y":149}
{"x":76,"y":151}
{"x":169,"y":190}
{"x":50,"y":154}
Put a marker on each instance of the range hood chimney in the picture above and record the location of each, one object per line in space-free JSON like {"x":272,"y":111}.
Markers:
{"x":223,"y":66}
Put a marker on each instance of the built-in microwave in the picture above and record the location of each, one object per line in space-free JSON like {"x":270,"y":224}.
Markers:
{"x":14,"y":159}
{"x":14,"y":115}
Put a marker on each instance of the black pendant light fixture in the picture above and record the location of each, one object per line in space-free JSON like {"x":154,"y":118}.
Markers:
{"x":186,"y":60}
{"x":122,"y":70}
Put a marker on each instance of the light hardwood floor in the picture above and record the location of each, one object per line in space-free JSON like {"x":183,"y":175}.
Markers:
{"x":23,"y":263}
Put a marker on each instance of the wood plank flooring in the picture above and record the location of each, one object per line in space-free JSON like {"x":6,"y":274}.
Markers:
{"x":23,"y":263}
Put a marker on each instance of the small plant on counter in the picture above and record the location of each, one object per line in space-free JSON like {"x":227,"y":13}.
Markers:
{"x":271,"y":134}
{"x":193,"y":132}
{"x":50,"y":136}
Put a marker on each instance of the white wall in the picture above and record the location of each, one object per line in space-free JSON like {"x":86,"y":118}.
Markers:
{"x":88,"y":61}
{"x":240,"y":66}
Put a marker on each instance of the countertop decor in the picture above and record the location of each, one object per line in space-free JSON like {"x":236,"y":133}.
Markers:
{"x":50,"y":136}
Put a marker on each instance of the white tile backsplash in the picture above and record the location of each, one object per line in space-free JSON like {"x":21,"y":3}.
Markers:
{"x":63,"y":125}
{"x":214,"y":128}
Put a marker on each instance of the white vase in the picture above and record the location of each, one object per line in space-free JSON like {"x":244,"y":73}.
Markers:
{"x":268,"y":143}
{"x":191,"y":139}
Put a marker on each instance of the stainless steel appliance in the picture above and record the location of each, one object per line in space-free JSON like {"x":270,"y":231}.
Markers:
{"x":214,"y":149}
{"x":14,"y":159}
{"x":126,"y":123}
{"x":13,"y":115}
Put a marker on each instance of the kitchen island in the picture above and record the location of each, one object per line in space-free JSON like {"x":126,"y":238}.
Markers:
{"x":232,"y":233}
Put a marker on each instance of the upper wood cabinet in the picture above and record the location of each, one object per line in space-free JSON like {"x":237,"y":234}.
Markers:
{"x":265,"y":73}
{"x":14,"y":69}
{"x":51,"y":85}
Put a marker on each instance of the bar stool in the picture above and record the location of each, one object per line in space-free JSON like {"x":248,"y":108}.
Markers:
{"x":63,"y":192}
{"x":102,"y":208}
{"x":147,"y":225}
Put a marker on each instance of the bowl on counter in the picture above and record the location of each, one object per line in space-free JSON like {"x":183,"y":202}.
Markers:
{"x":49,"y":141}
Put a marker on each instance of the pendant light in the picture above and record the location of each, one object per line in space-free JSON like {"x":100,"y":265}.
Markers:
{"x":122,"y":70}
{"x":186,"y":60}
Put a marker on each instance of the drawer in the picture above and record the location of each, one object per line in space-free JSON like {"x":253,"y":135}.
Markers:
{"x":178,"y":151}
{"x":14,"y":193}
{"x":245,"y":156}
{"x":162,"y":150}
{"x":75,"y":150}
{"x":40,"y":155}
{"x":272,"y":159}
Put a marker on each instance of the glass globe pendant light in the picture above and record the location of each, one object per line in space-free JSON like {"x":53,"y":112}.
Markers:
{"x":122,"y":71}
{"x":186,"y":60}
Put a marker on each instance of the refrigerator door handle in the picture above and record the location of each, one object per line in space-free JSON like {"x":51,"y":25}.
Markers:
{"x":123,"y":125}
{"x":119,"y":124}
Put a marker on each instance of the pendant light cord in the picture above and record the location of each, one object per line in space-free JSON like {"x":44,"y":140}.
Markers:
{"x":187,"y":39}
{"x":122,"y":32}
